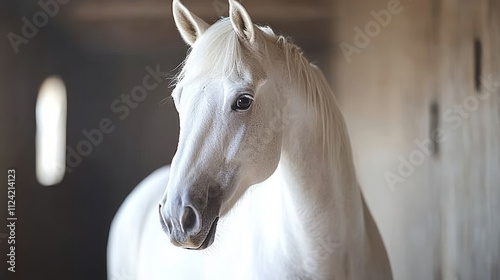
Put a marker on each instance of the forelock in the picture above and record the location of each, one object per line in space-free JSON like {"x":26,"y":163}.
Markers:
{"x":218,"y":53}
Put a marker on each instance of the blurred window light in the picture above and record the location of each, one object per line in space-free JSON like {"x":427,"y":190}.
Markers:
{"x":51,"y":132}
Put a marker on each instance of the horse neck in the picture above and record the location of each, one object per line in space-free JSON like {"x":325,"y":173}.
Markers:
{"x":318,"y":169}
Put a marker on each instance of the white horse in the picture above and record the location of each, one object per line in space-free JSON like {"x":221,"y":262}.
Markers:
{"x":263,"y":175}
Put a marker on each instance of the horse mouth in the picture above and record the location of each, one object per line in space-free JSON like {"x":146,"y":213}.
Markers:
{"x":210,"y":236}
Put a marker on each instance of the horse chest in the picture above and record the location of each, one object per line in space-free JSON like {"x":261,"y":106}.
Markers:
{"x":254,"y":239}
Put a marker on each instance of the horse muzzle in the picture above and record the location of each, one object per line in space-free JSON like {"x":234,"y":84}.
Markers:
{"x":189,"y":231}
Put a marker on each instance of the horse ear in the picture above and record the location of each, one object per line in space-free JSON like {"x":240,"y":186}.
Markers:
{"x":241,"y":21}
{"x":189,"y":25}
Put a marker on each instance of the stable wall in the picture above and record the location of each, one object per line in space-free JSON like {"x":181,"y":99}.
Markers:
{"x":422,"y":95}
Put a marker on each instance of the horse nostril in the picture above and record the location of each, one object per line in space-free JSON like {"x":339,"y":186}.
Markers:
{"x":165,"y":224}
{"x":189,"y":219}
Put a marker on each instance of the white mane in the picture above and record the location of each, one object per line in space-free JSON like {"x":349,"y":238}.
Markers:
{"x":306,"y":219}
{"x":219,"y":53}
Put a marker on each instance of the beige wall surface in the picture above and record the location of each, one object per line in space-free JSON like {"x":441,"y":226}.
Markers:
{"x":419,"y":83}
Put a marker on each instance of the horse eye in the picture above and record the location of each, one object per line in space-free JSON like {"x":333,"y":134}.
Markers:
{"x":243,"y":102}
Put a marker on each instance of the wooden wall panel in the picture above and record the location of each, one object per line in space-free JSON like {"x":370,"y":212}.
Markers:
{"x":470,"y":163}
{"x":438,"y":213}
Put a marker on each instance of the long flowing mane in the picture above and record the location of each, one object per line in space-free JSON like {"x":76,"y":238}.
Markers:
{"x":319,"y":95}
{"x":219,"y":53}
{"x":306,"y":217}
